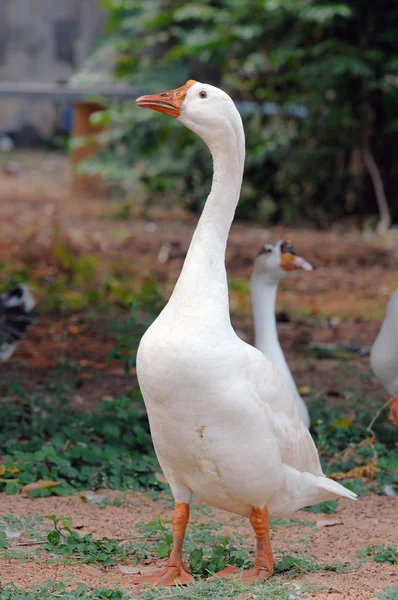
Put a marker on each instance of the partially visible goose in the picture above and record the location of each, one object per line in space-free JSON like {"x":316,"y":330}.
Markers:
{"x":270,"y":266}
{"x":16,"y":315}
{"x":224,"y":424}
{"x":384,"y":355}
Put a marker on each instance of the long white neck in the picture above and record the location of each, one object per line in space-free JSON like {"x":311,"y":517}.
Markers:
{"x":263,"y":292}
{"x":202,"y":286}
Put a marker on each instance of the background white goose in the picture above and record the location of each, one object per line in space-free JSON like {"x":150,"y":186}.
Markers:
{"x":384,"y":355}
{"x":270,"y":266}
{"x":16,"y":315}
{"x":224,"y":424}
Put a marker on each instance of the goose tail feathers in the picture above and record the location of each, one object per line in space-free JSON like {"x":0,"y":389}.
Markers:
{"x":335,"y":488}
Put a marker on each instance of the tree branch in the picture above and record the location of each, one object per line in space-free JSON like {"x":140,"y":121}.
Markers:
{"x":378,"y":185}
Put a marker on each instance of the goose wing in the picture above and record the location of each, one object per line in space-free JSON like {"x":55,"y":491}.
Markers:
{"x":296,"y":445}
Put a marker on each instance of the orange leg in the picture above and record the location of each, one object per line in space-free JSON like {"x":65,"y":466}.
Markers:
{"x":393,"y":415}
{"x":175,"y":572}
{"x":264,"y":561}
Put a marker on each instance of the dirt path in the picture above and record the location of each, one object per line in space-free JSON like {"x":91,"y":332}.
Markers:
{"x":367,"y":523}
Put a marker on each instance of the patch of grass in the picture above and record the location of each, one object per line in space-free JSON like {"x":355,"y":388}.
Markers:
{"x":62,"y":540}
{"x":4,"y":542}
{"x":296,"y":564}
{"x":226,"y":589}
{"x":143,"y":311}
{"x":275,"y":523}
{"x":327,"y":507}
{"x":384,"y":554}
{"x":124,"y":212}
{"x":50,"y":590}
{"x":201,"y":590}
{"x":345,"y":441}
{"x":390,"y":593}
{"x":208,"y":548}
{"x":32,"y":526}
{"x":44,"y":437}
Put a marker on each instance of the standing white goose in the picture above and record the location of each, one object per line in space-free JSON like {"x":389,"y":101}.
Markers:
{"x":270,"y":266}
{"x":224,"y":424}
{"x":384,"y":355}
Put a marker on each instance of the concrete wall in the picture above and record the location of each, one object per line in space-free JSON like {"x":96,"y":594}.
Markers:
{"x":43,"y":41}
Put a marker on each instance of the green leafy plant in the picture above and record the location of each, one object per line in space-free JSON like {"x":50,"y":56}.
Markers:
{"x":68,"y":543}
{"x":4,"y":542}
{"x":328,"y":507}
{"x":211,"y":590}
{"x":385,"y":554}
{"x":315,"y":83}
{"x":343,"y":447}
{"x":50,"y":590}
{"x":44,"y":437}
{"x":143,"y":311}
{"x":390,"y":593}
{"x":208,"y":552}
{"x":221,"y":555}
{"x":296,"y":564}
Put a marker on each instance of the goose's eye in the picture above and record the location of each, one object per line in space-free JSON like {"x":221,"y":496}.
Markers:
{"x":202,"y":94}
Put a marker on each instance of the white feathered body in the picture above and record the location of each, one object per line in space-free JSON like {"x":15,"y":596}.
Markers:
{"x":224,"y":424}
{"x":384,"y":354}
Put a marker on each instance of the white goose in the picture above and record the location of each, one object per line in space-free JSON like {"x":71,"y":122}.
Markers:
{"x":384,"y":355}
{"x":270,"y":266}
{"x":224,"y":424}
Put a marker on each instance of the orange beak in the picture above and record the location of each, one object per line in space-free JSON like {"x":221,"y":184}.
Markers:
{"x":291,"y":262}
{"x":169,"y":102}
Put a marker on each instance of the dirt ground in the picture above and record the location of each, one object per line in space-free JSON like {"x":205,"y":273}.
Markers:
{"x":343,"y":300}
{"x":368,"y":524}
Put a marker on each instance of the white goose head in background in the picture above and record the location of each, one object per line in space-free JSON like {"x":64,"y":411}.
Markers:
{"x":384,"y":355}
{"x":271,"y":265}
{"x":224,"y":423}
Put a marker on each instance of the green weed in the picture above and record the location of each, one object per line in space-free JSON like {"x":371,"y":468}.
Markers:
{"x":44,"y":437}
{"x":227,"y":589}
{"x":390,"y":593}
{"x":208,"y":552}
{"x":384,"y":554}
{"x":31,"y":526}
{"x":328,"y":507}
{"x":4,"y":542}
{"x":124,"y":212}
{"x":143,"y":311}
{"x":344,"y":440}
{"x":50,"y":590}
{"x":296,"y":564}
{"x":64,"y":541}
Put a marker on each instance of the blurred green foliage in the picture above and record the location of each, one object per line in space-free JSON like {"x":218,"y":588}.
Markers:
{"x":327,"y":70}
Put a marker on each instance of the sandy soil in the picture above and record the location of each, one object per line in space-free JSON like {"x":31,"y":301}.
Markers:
{"x":368,"y":523}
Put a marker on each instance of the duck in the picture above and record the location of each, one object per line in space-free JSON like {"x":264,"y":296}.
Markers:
{"x":16,"y":316}
{"x":224,"y":424}
{"x":384,"y":355}
{"x":271,"y":265}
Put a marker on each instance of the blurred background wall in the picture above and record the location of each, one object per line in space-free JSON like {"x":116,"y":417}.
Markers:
{"x":43,"y":41}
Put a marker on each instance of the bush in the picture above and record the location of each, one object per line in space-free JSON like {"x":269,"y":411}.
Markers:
{"x":317,"y":83}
